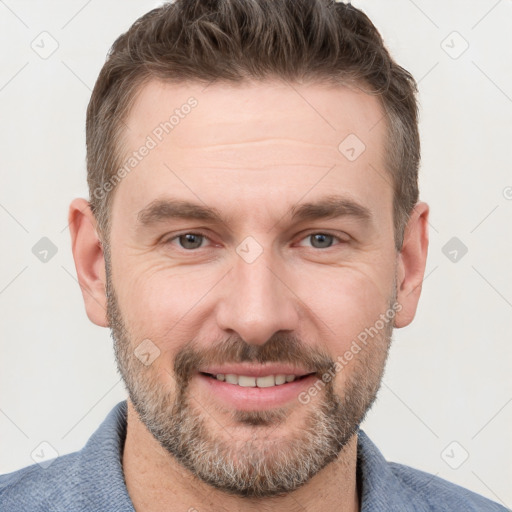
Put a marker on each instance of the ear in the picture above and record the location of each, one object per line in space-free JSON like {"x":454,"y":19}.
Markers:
{"x":89,"y":261}
{"x":411,"y":264}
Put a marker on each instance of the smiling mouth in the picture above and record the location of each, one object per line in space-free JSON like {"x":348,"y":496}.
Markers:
{"x":247,"y":381}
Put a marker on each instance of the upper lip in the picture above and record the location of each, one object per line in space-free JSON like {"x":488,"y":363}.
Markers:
{"x":255,"y":370}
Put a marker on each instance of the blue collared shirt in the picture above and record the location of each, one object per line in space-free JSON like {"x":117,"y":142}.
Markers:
{"x":91,"y":480}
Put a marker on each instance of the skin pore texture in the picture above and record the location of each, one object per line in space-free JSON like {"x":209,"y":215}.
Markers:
{"x":185,"y":289}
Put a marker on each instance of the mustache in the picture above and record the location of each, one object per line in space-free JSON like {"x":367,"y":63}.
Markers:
{"x":281,"y":348}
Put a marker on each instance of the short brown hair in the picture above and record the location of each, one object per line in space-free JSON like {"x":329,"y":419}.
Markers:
{"x":232,"y":40}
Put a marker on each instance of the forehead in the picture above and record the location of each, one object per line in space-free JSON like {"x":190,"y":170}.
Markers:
{"x":311,"y":113}
{"x":255,"y":141}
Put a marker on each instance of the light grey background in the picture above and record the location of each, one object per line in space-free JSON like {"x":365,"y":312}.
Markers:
{"x":447,"y":391}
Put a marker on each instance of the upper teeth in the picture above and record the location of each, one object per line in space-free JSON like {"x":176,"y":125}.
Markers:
{"x":251,"y":382}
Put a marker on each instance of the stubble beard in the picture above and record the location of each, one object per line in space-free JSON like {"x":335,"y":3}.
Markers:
{"x":262,"y":466}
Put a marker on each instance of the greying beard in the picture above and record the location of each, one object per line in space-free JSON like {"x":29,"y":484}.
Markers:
{"x":261,"y":467}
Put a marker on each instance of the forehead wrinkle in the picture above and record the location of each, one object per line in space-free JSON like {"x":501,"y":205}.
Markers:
{"x":264,"y":141}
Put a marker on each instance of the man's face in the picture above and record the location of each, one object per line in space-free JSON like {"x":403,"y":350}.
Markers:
{"x":266,"y":289}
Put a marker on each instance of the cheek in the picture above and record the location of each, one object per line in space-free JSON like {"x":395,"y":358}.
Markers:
{"x":158,"y":303}
{"x":345,"y":301}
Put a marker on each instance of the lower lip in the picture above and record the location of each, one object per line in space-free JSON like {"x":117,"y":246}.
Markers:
{"x":250,"y":399}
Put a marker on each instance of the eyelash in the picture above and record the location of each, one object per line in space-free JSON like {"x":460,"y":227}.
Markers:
{"x":198,"y":233}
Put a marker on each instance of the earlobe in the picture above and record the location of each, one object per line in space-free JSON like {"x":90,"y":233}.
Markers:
{"x":411,"y":264}
{"x":89,"y":260}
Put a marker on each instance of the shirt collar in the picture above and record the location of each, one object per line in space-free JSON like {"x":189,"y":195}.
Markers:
{"x":102,"y":480}
{"x":380,"y":488}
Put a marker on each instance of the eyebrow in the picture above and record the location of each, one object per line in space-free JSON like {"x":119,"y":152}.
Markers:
{"x":164,"y":209}
{"x":329,"y":207}
{"x":332,"y":207}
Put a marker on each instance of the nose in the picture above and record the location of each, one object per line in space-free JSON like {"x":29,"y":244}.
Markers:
{"x":258,"y":302}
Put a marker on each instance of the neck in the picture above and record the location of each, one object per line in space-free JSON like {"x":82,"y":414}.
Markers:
{"x":157,"y":482}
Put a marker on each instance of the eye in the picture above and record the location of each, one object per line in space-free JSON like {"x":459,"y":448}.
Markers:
{"x":322,"y":240}
{"x":189,"y":241}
